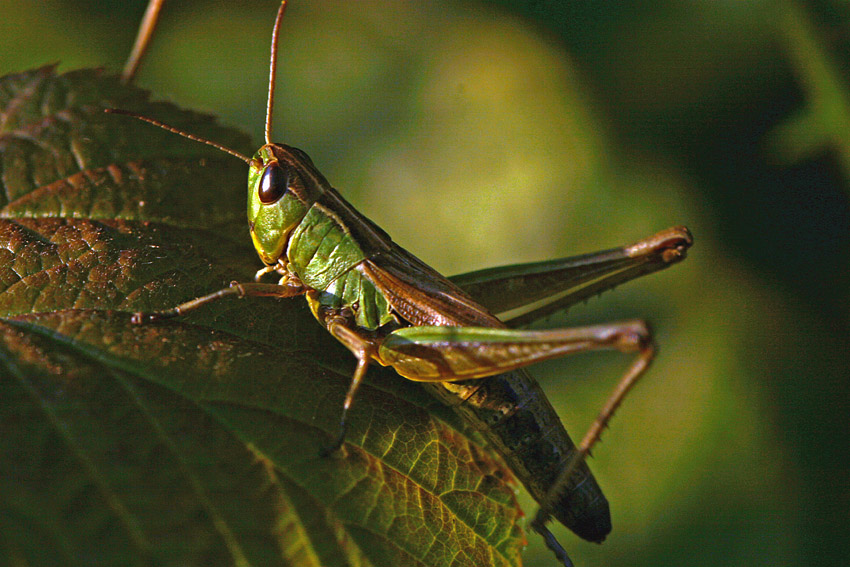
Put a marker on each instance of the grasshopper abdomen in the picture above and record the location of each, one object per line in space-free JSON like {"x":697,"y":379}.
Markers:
{"x":513,"y":414}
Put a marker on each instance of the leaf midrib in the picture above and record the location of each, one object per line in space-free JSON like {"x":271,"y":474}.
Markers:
{"x":112,"y":362}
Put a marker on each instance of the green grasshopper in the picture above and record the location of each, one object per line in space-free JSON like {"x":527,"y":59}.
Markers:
{"x":387,"y":306}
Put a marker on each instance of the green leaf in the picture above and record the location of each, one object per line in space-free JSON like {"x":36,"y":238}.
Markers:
{"x":193,"y":441}
{"x":825,"y":121}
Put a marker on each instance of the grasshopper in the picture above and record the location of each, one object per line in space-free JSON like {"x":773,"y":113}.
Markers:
{"x":387,"y":306}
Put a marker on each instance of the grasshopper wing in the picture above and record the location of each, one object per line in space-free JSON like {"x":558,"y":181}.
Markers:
{"x":420,"y":295}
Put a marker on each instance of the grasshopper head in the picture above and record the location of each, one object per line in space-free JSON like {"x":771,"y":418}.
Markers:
{"x":282,"y":185}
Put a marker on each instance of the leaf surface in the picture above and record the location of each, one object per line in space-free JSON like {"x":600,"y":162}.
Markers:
{"x":193,"y":441}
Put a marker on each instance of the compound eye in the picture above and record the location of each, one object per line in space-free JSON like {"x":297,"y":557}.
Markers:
{"x":273,"y":184}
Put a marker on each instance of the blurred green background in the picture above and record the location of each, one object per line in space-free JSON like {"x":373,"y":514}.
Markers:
{"x":482,"y":133}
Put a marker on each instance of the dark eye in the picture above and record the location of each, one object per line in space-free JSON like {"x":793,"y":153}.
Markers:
{"x":273,"y":184}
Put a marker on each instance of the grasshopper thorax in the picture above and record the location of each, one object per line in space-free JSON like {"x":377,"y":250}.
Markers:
{"x":283,"y":184}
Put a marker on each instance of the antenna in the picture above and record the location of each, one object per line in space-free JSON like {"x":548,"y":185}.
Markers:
{"x":273,"y":71}
{"x":165,"y":126}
